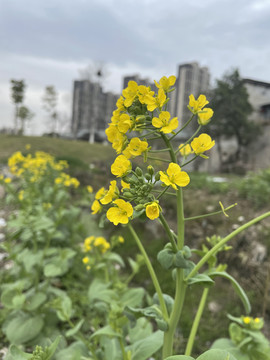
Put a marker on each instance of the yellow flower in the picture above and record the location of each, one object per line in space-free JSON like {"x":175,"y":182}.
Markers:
{"x":135,"y":148}
{"x":174,"y":176}
{"x":121,"y":239}
{"x":87,"y":243}
{"x":102,"y":244}
{"x":21,"y":195}
{"x":75,"y":182}
{"x":143,"y":92}
{"x":121,"y":213}
{"x":155,"y":102}
{"x":115,"y":137}
{"x":96,"y":207}
{"x":58,"y":180}
{"x":185,"y":150}
{"x":88,"y":267}
{"x":124,"y":123}
{"x":196,"y":105}
{"x":100,"y":193}
{"x":90,"y":189}
{"x":120,"y":104}
{"x":205,"y":116}
{"x":130,"y":92}
{"x":121,"y":166}
{"x":202,"y":143}
{"x":246,"y":320}
{"x":7,"y":180}
{"x":165,"y":83}
{"x":125,"y":185}
{"x":111,"y":194}
{"x":164,"y":122}
{"x":85,"y":260}
{"x":27,"y":146}
{"x":152,"y":210}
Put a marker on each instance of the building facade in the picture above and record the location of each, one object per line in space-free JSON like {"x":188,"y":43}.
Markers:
{"x":92,"y":110}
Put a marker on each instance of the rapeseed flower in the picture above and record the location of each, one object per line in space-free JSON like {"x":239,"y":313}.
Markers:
{"x":120,"y":213}
{"x":110,"y":194}
{"x":164,"y":122}
{"x":204,"y":116}
{"x":100,"y":193}
{"x":202,"y":143}
{"x":174,"y":176}
{"x":143,"y":92}
{"x":196,"y":105}
{"x":101,"y":243}
{"x":155,"y":102}
{"x":165,"y":83}
{"x":90,"y":189}
{"x":130,"y":93}
{"x":121,"y":166}
{"x":96,"y":207}
{"x":185,"y":150}
{"x":135,"y":148}
{"x":152,"y":210}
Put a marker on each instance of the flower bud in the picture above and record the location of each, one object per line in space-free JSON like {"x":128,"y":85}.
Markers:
{"x":148,"y":177}
{"x":138,"y":171}
{"x":139,"y":207}
{"x":150,"y":170}
{"x":157,"y":176}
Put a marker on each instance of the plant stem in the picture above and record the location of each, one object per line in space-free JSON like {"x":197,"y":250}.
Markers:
{"x":168,"y":231}
{"x":159,"y":159}
{"x":162,"y":192}
{"x":196,"y":322}
{"x":215,"y":249}
{"x":123,"y":349}
{"x":182,"y":128}
{"x":210,"y":214}
{"x":189,"y":161}
{"x":152,"y":273}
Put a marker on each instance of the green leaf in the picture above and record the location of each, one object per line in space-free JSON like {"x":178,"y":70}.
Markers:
{"x":23,"y":328}
{"x":34,"y":301}
{"x":99,"y":291}
{"x":132,"y":297}
{"x":165,"y":258}
{"x":17,"y":354}
{"x":52,"y":348}
{"x":238,"y":289}
{"x":141,"y":330}
{"x":216,"y":354}
{"x":74,"y":352}
{"x":29,"y":259}
{"x":143,"y":349}
{"x":76,"y":328}
{"x":105,"y":331}
{"x":65,"y":312}
{"x":201,"y":279}
{"x":7,"y":298}
{"x":115,"y":258}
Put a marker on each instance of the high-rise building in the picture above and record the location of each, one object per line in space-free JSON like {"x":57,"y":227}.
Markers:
{"x":138,"y":79}
{"x":191,"y":79}
{"x":92,"y":109}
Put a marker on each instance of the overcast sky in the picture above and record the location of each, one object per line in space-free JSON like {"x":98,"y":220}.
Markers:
{"x":47,"y":42}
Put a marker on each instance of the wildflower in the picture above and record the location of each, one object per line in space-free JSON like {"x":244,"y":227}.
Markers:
{"x":196,"y":105}
{"x":135,"y":148}
{"x":7,"y":180}
{"x":75,"y":182}
{"x":96,"y":207}
{"x":152,"y":210}
{"x":165,"y":83}
{"x":120,"y":104}
{"x":185,"y":150}
{"x":155,"y":102}
{"x":124,"y":185}
{"x":121,"y":213}
{"x":124,"y":123}
{"x":246,"y":320}
{"x":130,"y":93}
{"x":121,"y":240}
{"x":21,"y":195}
{"x":111,"y":194}
{"x":143,"y":92}
{"x":205,"y":116}
{"x":100,"y":193}
{"x":85,"y":260}
{"x":90,"y":189}
{"x":87,"y":243}
{"x":121,"y":166}
{"x":202,"y":143}
{"x":174,"y":176}
{"x":58,"y":180}
{"x":164,"y":122}
{"x":102,"y":244}
{"x":88,"y":267}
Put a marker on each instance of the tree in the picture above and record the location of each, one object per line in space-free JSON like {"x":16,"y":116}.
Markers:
{"x":50,"y":100}
{"x":17,"y":95}
{"x":232,"y":109}
{"x":24,"y":114}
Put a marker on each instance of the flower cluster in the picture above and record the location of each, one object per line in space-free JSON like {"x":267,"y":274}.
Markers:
{"x":143,"y":112}
{"x":94,"y":246}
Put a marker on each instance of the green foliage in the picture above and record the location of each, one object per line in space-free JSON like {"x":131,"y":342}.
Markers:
{"x":256,"y":187}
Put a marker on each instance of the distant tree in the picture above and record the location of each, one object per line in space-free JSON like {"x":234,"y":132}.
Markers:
{"x":24,"y":114}
{"x":50,"y":100}
{"x":232,"y":109}
{"x":17,"y":95}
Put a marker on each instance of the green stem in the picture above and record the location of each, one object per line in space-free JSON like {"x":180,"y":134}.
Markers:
{"x":182,"y":128}
{"x":196,"y":322}
{"x":151,"y":271}
{"x":123,"y":349}
{"x":188,"y":141}
{"x":210,"y":214}
{"x":157,"y":151}
{"x":168,"y":231}
{"x":195,"y":157}
{"x":159,"y":159}
{"x":215,"y":249}
{"x":163,"y":192}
